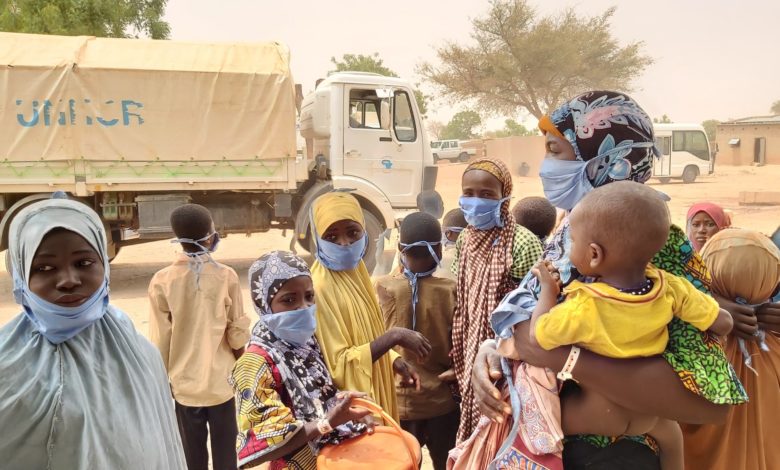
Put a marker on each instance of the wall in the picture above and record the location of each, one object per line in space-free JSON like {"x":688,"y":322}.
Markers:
{"x":743,"y":154}
{"x":517,"y":150}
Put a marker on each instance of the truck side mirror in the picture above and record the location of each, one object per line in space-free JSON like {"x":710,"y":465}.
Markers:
{"x":384,"y":114}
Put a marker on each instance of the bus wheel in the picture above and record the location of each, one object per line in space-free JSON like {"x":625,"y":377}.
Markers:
{"x":664,"y":180}
{"x":689,"y":174}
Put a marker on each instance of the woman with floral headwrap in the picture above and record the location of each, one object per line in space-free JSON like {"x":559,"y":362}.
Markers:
{"x":491,"y":256}
{"x":745,"y":268}
{"x":592,"y":140}
{"x":288,"y":406}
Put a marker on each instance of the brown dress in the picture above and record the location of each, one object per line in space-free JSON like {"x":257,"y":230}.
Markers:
{"x":743,"y":264}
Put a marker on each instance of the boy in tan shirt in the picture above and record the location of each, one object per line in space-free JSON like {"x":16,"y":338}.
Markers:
{"x":197,"y":322}
{"x":418,"y":300}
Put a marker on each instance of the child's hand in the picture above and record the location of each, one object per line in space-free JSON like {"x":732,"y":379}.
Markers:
{"x":344,"y":412}
{"x":409,"y":378}
{"x":412,"y":341}
{"x":548,"y":276}
{"x":448,"y":376}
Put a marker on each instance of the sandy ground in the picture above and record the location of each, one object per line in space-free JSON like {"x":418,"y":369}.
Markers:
{"x":135,"y":265}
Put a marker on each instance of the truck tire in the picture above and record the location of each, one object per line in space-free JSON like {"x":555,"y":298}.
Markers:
{"x":463,"y":157}
{"x":374,"y":229}
{"x":664,"y":180}
{"x":689,"y":174}
{"x":435,"y":158}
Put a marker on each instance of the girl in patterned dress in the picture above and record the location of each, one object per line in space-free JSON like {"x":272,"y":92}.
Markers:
{"x":288,"y":406}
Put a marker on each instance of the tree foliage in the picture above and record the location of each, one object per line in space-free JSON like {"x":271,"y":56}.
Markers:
{"x":374,"y":64}
{"x":462,"y":126}
{"x":522,"y":61}
{"x":513,"y":128}
{"x":102,"y":18}
{"x":710,"y":128}
{"x":663,"y":120}
{"x":775,"y":108}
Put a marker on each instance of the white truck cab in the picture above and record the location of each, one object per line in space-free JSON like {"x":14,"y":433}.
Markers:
{"x":368,"y":129}
{"x":685,"y":152}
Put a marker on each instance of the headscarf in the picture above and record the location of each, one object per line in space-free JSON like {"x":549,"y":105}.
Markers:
{"x":305,"y":376}
{"x":348,"y":314}
{"x":716,"y":213}
{"x":608,"y":125}
{"x":745,"y":268}
{"x":483,"y":280}
{"x":27,"y":232}
{"x":744,"y":264}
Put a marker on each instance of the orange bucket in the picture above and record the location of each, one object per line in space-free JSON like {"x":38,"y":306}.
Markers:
{"x":389,"y":448}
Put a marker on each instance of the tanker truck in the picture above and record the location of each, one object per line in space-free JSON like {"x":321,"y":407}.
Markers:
{"x":134,"y":128}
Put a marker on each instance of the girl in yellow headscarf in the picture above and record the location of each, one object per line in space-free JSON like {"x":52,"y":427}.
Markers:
{"x":350,"y":327}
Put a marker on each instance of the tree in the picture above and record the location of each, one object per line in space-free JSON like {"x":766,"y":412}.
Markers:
{"x":664,"y":120}
{"x":521,"y":61}
{"x":513,"y":128}
{"x":461,"y":126}
{"x":102,"y":18}
{"x":435,"y":129}
{"x":373,"y":63}
{"x":776,"y":108}
{"x":710,"y":128}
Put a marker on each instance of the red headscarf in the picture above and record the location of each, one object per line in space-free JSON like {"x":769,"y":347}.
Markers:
{"x":716,"y":213}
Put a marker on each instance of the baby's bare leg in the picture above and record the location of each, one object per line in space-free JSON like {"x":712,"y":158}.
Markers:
{"x":670,"y":439}
{"x":585,"y":412}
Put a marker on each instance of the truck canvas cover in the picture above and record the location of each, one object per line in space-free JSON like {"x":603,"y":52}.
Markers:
{"x":133,"y":100}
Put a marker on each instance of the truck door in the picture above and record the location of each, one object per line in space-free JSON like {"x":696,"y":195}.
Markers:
{"x":663,"y":166}
{"x":383,"y":144}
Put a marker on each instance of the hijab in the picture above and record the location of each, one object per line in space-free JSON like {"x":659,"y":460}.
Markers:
{"x":716,"y":213}
{"x":27,"y":232}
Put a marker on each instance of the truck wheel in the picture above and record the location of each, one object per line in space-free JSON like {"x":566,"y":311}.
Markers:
{"x":435,"y":158}
{"x":374,"y":229}
{"x":664,"y":180}
{"x":463,"y":157}
{"x":689,"y":174}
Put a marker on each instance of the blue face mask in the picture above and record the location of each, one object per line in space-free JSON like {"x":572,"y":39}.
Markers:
{"x":341,"y":258}
{"x":57,"y":323}
{"x":446,"y":241}
{"x":480,"y":213}
{"x":414,"y":277}
{"x":294,"y":326}
{"x":565,"y":182}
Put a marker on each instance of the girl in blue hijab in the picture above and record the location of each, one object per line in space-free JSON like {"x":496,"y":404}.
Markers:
{"x":81,"y":388}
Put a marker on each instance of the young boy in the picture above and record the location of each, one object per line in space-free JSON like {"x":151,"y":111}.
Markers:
{"x":624,"y":313}
{"x":452,"y":225}
{"x":418,"y":300}
{"x":537,"y":215}
{"x":197,"y":322}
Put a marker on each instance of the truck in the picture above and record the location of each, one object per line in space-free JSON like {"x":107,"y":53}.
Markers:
{"x":134,"y":128}
{"x":685,"y":152}
{"x":451,"y":150}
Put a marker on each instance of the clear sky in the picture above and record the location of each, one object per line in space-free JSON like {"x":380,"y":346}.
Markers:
{"x":715,"y":59}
